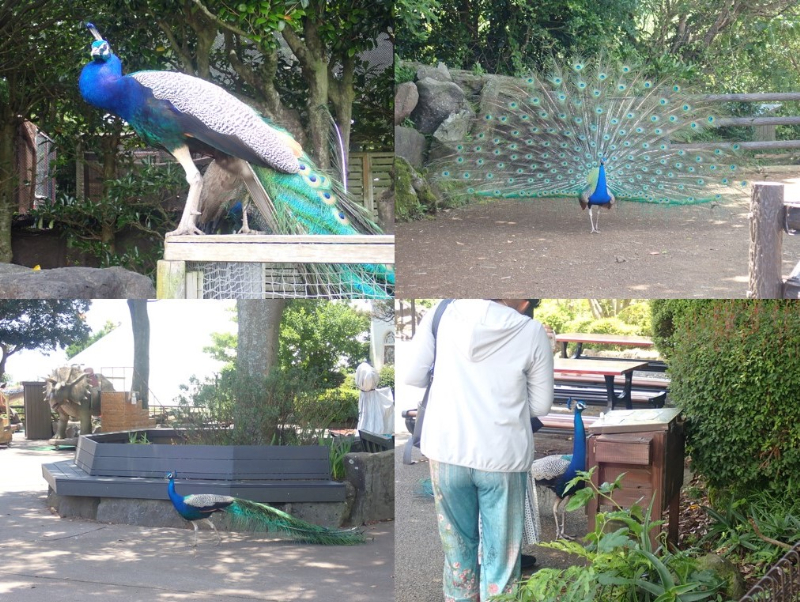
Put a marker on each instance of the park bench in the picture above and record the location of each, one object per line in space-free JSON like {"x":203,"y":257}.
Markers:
{"x":106,"y":465}
{"x":598,"y":396}
{"x":639,"y":382}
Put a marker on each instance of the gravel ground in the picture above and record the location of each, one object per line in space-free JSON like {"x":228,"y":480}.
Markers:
{"x":513,"y":248}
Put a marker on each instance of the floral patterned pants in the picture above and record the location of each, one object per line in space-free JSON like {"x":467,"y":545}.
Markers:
{"x":463,"y":495}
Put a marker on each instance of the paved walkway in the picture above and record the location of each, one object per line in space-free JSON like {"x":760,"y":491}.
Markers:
{"x":44,"y":557}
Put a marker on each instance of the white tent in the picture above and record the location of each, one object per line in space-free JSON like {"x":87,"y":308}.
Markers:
{"x":179,"y":329}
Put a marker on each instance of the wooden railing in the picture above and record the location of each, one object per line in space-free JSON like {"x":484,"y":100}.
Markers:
{"x":770,"y":216}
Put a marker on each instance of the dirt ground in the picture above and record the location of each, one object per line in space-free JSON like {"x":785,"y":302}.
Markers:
{"x":544,"y":248}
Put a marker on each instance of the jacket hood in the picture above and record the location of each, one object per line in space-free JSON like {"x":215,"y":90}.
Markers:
{"x":484,"y":327}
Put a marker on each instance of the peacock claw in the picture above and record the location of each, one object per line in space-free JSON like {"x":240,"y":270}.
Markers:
{"x":185,"y":231}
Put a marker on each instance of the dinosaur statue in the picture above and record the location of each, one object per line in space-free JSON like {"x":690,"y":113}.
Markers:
{"x":75,"y":392}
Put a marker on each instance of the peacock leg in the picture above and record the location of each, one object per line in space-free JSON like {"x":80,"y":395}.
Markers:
{"x":245,"y":229}
{"x":194,"y":524}
{"x":188,"y":223}
{"x":219,"y":538}
{"x":591,"y":222}
{"x":564,"y":516}
{"x":555,"y":514}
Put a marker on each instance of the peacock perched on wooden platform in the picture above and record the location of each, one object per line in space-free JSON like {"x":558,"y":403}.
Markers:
{"x":252,"y":516}
{"x":595,"y":130}
{"x":185,"y":114}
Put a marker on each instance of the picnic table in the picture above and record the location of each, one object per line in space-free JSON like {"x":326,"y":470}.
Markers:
{"x":579,"y":338}
{"x":609,"y":370}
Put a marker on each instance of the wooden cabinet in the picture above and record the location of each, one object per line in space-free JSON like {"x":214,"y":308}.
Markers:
{"x":650,"y":451}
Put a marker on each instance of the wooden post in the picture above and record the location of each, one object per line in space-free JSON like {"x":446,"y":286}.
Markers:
{"x":767,"y":219}
{"x":171,"y":279}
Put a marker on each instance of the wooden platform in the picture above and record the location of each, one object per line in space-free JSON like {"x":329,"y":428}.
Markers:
{"x":66,"y":478}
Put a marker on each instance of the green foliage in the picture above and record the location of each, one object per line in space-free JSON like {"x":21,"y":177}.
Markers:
{"x":387,"y":376}
{"x":337,"y":407}
{"x":600,"y":316}
{"x":45,"y":325}
{"x":620,"y":561}
{"x":239,"y":409}
{"x":735,"y":373}
{"x":324,"y":338}
{"x":133,"y":202}
{"x":666,"y":316}
{"x":402,"y":72}
{"x":339,"y":447}
{"x":75,"y":348}
{"x":137,"y":438}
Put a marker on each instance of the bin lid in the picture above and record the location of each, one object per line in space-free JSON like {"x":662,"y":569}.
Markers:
{"x":634,"y":421}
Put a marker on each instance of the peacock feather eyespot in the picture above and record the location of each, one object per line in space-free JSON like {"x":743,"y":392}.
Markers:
{"x":327,"y":197}
{"x":602,"y":76}
{"x":676,"y":88}
{"x":497,"y":152}
{"x":582,"y":85}
{"x":504,"y":119}
{"x":465,"y":175}
{"x":647,"y":85}
{"x":639,"y":130}
{"x":525,"y":117}
{"x":501,"y":165}
{"x":480,"y":162}
{"x":489,"y":176}
{"x":513,"y":104}
{"x":303,"y":167}
{"x":341,"y":217}
{"x":678,"y":165}
{"x":460,"y":147}
{"x":544,"y":114}
{"x":445,"y":173}
{"x":487,"y":117}
{"x":645,"y":145}
{"x":621,"y":87}
{"x":478,"y":149}
{"x":711,"y":119}
{"x":599,"y":110}
{"x":686,"y":107}
{"x":626,"y":69}
{"x":673,"y":118}
{"x":596,"y":93}
{"x":630,"y":115}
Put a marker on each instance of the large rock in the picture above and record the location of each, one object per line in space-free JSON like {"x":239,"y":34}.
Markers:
{"x":725,"y":570}
{"x":372,"y":475}
{"x":385,"y":209}
{"x":74,"y":283}
{"x":455,"y":128}
{"x":405,"y":101}
{"x":437,"y":100}
{"x":439,"y":73}
{"x":409,"y":144}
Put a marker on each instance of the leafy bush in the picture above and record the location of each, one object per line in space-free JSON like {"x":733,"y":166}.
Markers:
{"x":337,"y":406}
{"x":387,"y":376}
{"x":666,"y":315}
{"x":236,"y":409}
{"x":619,"y":561}
{"x":735,"y":372}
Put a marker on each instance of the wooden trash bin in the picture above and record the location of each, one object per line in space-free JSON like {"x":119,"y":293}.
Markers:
{"x":646,"y":445}
{"x":38,"y":418}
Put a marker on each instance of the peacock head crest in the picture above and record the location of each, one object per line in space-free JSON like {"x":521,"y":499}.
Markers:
{"x":101,"y":50}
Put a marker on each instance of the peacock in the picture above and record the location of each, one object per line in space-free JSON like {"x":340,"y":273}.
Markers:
{"x":185,"y":114}
{"x":595,"y":129}
{"x":252,"y":516}
{"x":556,"y":471}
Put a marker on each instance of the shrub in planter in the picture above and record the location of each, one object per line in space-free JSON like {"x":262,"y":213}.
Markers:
{"x":735,"y":370}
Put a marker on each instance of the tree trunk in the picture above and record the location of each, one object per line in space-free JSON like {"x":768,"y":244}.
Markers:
{"x":141,"y":349}
{"x":259,"y":329}
{"x":8,"y":128}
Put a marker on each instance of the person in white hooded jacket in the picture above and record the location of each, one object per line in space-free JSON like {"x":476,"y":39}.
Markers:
{"x":493,"y":372}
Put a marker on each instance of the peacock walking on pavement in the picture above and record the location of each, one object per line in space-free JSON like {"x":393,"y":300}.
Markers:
{"x":594,"y":130}
{"x":252,"y":516}
{"x":556,"y":471}
{"x":185,"y":114}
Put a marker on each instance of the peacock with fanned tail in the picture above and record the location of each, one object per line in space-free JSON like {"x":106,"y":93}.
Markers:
{"x":253,"y":516}
{"x":185,"y":114}
{"x":594,"y":130}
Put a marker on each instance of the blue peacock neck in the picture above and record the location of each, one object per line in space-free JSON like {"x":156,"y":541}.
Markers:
{"x":100,"y":84}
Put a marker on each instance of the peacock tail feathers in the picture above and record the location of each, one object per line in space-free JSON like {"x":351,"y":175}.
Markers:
{"x":545,"y":136}
{"x":252,"y":516}
{"x":311,"y":202}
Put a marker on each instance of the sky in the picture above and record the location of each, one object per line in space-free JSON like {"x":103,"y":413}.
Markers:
{"x":179,"y":329}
